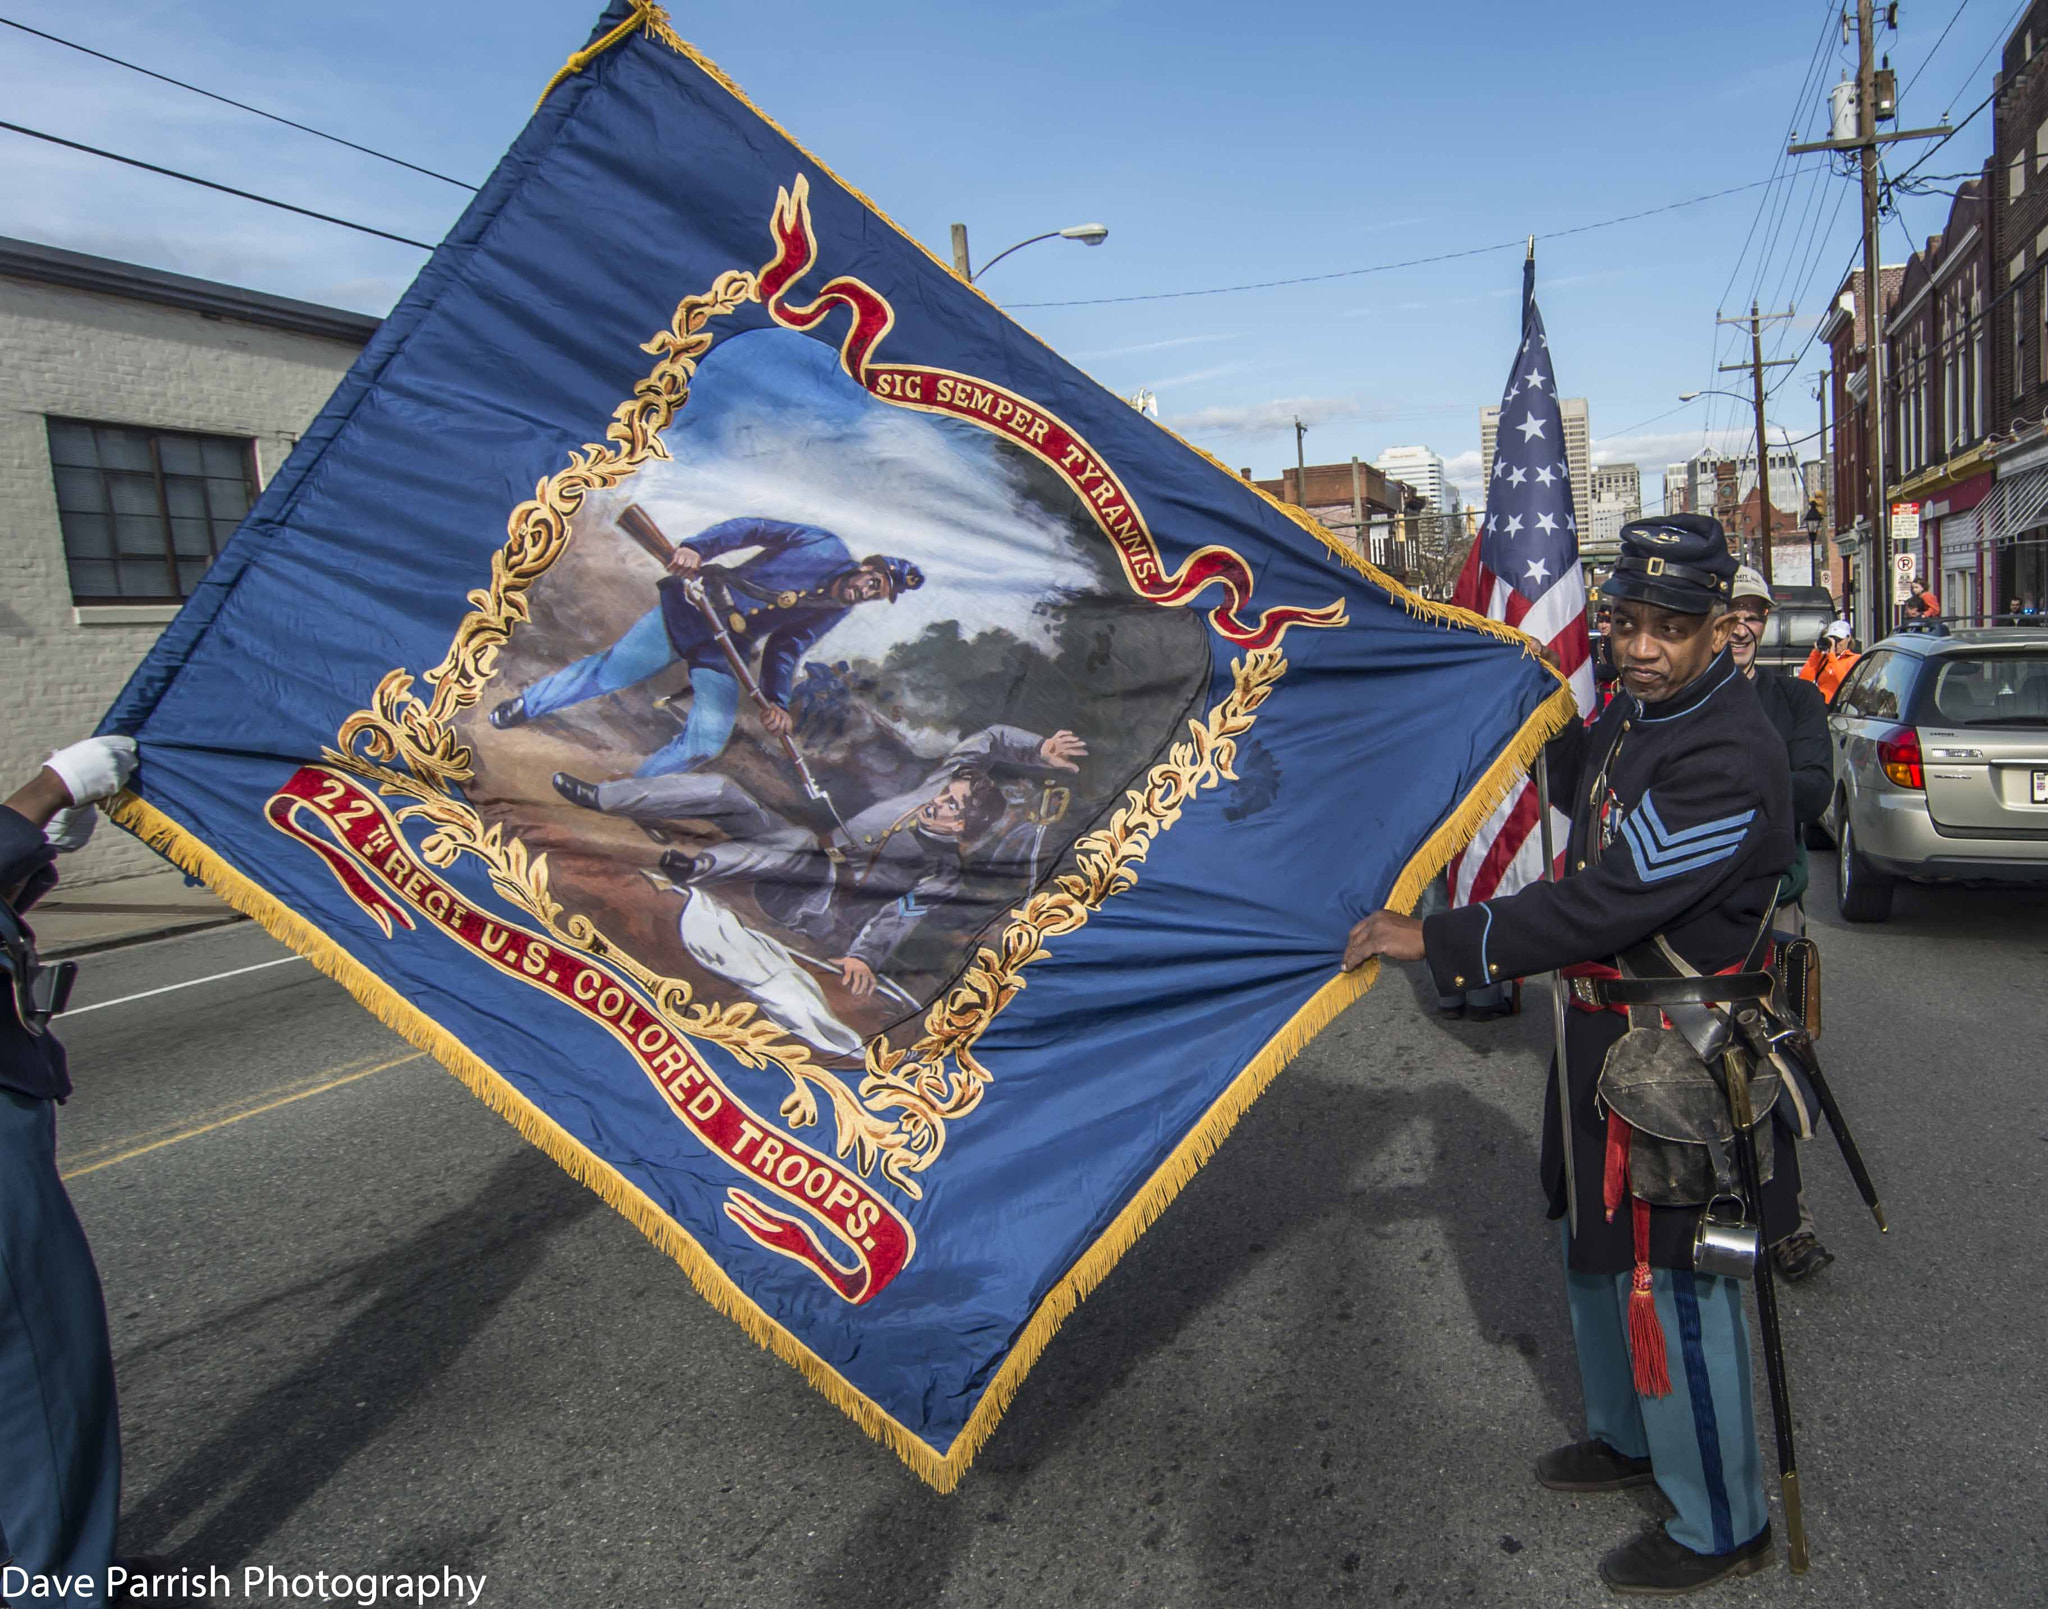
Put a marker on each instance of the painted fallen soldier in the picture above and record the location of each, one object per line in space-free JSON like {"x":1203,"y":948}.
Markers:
{"x":773,"y":607}
{"x":863,"y":888}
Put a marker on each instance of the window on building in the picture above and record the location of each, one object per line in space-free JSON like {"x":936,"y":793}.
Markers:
{"x":2019,"y":339}
{"x":2016,"y":177}
{"x":145,"y":511}
{"x":2041,"y":145}
{"x":1980,"y":350}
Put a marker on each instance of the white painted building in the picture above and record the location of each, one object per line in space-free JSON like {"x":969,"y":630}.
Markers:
{"x":140,"y":412}
{"x":1423,"y":471}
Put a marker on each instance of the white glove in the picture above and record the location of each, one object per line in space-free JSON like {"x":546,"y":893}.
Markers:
{"x":95,"y":769}
{"x":69,"y":829}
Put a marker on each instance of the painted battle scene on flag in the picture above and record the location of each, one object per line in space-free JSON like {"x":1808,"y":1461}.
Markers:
{"x":965,"y":723}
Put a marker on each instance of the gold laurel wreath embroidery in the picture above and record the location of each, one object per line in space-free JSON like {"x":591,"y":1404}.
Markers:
{"x":898,"y":1120}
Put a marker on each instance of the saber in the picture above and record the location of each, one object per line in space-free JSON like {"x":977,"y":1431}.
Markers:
{"x":1735,"y":1084}
{"x":882,"y":980}
{"x":1558,"y":1007}
{"x":635,"y":522}
{"x":1801,"y":1050}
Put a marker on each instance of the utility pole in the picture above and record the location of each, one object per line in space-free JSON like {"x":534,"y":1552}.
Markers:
{"x":960,"y":263}
{"x":1874,"y":105}
{"x":1300,"y":464}
{"x":1756,"y":366}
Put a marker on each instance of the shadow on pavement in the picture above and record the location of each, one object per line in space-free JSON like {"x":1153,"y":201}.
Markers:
{"x":418,"y":1306}
{"x":1319,"y":1383}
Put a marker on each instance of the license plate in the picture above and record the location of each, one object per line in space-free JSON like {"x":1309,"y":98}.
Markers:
{"x":2041,"y":787}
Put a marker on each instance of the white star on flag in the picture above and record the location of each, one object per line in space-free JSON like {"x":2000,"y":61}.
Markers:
{"x":1538,"y":570}
{"x":1545,"y":475}
{"x":1514,"y":525}
{"x":1517,"y":475}
{"x":1545,"y":523}
{"x":1534,"y":378}
{"x":1530,"y":426}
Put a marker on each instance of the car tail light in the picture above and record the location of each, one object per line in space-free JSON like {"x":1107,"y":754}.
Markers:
{"x":1898,"y":751}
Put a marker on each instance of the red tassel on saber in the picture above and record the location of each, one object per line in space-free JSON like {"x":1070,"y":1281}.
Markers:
{"x":1645,"y":1329}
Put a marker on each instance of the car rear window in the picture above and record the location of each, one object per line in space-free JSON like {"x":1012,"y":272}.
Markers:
{"x":1985,"y":690}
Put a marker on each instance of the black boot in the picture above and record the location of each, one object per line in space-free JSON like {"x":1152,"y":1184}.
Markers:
{"x":511,"y":713}
{"x":1591,"y":1466}
{"x":681,"y":868}
{"x":577,"y":791}
{"x":1654,"y":1566}
{"x":1801,"y":1256}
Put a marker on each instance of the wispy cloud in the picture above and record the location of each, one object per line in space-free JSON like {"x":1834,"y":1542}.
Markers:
{"x":1255,"y":418}
{"x":1654,"y":449}
{"x":1153,"y":346}
{"x":1197,"y":375}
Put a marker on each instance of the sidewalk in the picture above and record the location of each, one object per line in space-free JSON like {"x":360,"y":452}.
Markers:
{"x":104,"y":916}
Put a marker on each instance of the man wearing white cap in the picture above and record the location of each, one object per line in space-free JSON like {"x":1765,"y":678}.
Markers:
{"x":1833,"y":657}
{"x":1799,"y":715}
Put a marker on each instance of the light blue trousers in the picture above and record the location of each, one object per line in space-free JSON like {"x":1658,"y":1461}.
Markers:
{"x":60,"y":1441}
{"x":643,"y":651}
{"x":1701,"y":1439}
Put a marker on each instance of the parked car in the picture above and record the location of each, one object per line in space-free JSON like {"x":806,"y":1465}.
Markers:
{"x":1798,"y":616}
{"x":1941,"y":764}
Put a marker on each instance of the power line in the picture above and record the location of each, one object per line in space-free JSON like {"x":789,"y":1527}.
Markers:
{"x":225,"y":189}
{"x":1960,"y":9}
{"x":1410,"y":262}
{"x":304,"y":128}
{"x":1918,"y":162}
{"x":1996,"y":40}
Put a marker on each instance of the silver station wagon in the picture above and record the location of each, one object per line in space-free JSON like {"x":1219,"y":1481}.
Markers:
{"x":1941,"y":764}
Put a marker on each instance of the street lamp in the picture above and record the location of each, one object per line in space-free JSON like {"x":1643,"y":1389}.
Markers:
{"x":1089,"y":234}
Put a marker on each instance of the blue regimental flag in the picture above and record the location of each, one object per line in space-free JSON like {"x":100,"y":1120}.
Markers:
{"x":858,"y":794}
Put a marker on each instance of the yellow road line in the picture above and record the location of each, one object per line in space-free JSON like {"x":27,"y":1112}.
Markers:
{"x":252,"y":1111}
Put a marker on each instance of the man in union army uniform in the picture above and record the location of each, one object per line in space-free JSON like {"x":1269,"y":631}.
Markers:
{"x":1680,"y":798}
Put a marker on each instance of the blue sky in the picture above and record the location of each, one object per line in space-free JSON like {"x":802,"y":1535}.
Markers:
{"x":1219,"y":143}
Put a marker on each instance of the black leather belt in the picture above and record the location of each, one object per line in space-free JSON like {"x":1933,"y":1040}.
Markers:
{"x":1721,"y":986}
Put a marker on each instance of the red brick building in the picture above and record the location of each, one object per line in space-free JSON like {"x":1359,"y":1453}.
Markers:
{"x":1358,"y":504}
{"x":2013,"y":519}
{"x":1939,"y":376}
{"x":1845,"y":330}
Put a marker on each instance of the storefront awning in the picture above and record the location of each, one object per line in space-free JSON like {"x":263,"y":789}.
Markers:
{"x":2014,"y":506}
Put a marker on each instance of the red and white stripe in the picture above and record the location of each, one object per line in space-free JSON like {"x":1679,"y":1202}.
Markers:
{"x":1507,"y":852}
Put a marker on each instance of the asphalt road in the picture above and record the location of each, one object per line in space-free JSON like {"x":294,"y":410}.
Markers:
{"x":361,"y":1326}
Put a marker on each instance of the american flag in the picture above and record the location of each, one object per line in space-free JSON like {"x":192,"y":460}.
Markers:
{"x":1524,"y":569}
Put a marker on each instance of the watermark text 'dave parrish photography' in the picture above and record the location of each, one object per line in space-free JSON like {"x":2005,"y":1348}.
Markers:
{"x":255,"y":1583}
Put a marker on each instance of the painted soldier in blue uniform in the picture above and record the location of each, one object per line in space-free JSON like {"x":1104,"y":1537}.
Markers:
{"x":1680,"y":796}
{"x":776,"y":605}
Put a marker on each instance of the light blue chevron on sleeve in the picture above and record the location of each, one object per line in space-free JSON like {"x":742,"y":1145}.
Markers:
{"x":1662,"y":853}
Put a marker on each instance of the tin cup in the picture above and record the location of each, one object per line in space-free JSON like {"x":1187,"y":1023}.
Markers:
{"x":1727,"y":1246}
